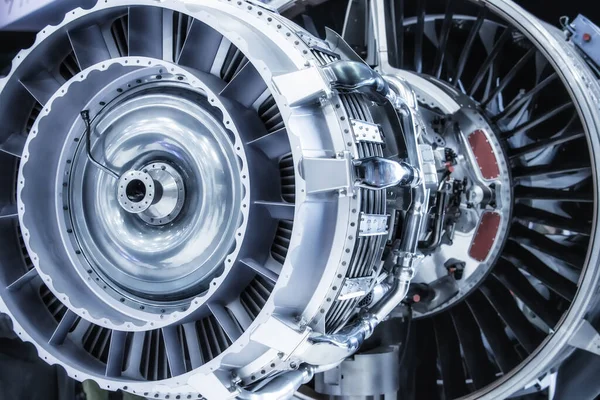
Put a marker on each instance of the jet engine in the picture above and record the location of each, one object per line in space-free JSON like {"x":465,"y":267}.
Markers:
{"x":208,"y":199}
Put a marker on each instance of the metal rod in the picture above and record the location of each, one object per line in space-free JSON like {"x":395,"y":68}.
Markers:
{"x":419,"y":37}
{"x":441,"y":53}
{"x":542,"y":144}
{"x":535,"y":122}
{"x":436,"y":237}
{"x":509,"y":76}
{"x":462,"y":61}
{"x":526,"y":97}
{"x":281,"y":387}
{"x":507,"y":34}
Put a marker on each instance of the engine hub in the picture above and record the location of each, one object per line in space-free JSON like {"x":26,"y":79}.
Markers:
{"x":471,"y":211}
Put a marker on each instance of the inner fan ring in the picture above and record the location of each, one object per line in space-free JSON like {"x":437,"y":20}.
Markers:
{"x":174,"y":260}
{"x":143,"y":290}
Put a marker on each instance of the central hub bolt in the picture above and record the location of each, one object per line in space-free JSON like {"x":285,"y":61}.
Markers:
{"x":156,"y":193}
{"x":135,"y":191}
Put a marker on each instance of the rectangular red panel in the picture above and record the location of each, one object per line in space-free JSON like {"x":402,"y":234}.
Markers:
{"x":484,"y":154}
{"x":485,"y":236}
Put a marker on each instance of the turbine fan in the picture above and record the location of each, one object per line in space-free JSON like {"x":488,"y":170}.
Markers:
{"x":206,"y":200}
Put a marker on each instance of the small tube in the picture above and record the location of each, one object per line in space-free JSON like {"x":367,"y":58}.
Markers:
{"x":281,"y":387}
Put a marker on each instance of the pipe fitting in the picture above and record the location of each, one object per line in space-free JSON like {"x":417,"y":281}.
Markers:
{"x":281,"y":387}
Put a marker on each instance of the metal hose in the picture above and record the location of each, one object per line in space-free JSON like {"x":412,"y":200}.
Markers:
{"x":282,"y":387}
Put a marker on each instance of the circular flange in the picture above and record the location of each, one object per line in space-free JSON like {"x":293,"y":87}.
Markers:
{"x":486,"y":200}
{"x":170,"y":201}
{"x":135,"y":191}
{"x":128,"y":286}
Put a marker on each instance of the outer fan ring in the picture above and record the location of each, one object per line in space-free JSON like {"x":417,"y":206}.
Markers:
{"x":583,"y":89}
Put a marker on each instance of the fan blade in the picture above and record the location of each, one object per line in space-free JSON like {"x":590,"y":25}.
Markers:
{"x":174,"y":350}
{"x":229,"y":325}
{"x":443,"y":41}
{"x":419,"y":35}
{"x":63,"y":328}
{"x":274,"y":145}
{"x":240,"y":314}
{"x":493,"y":329}
{"x":509,"y":76}
{"x":10,"y":211}
{"x":134,"y":356}
{"x":546,"y":218}
{"x":200,"y":47}
{"x":547,"y":246}
{"x":506,"y":306}
{"x":246,"y":86}
{"x":524,"y":290}
{"x":545,"y":143}
{"x":262,"y":270}
{"x":193,"y":344}
{"x":479,"y":366}
{"x":145,"y":34}
{"x":534,"y":193}
{"x":116,"y":354}
{"x":514,"y":106}
{"x":278,"y":210}
{"x":13,"y":145}
{"x":42,"y":86}
{"x":549,"y":169}
{"x":89,"y":46}
{"x":492,"y":56}
{"x":427,"y":372}
{"x":526,"y":260}
{"x":464,"y":55}
{"x":396,"y":33}
{"x":448,"y":350}
{"x":538,"y":120}
{"x":23,"y":280}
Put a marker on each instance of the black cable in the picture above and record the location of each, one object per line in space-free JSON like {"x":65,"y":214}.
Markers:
{"x":85,"y":116}
{"x":407,"y":335}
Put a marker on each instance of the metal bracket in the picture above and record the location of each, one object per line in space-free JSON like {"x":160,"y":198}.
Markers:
{"x":430,"y":176}
{"x":302,"y":87}
{"x":373,"y":225}
{"x":586,"y":338}
{"x":327,"y":174}
{"x":366,"y":132}
{"x":355,"y":287}
{"x":316,"y":44}
{"x":586,"y":36}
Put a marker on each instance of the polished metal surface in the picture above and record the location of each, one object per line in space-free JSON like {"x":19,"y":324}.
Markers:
{"x":165,"y":207}
{"x":135,"y":191}
{"x":150,"y":130}
{"x":381,"y":173}
{"x":240,"y":251}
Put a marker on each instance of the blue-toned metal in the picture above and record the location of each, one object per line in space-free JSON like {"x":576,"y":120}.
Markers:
{"x":586,"y":36}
